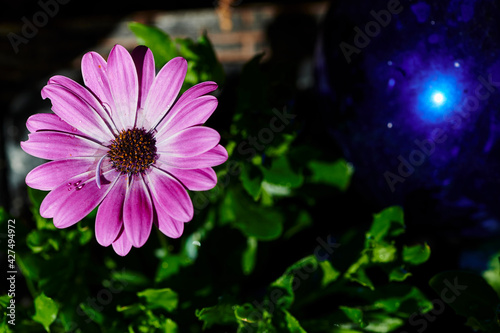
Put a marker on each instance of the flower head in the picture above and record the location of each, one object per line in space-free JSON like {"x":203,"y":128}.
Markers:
{"x":125,"y":144}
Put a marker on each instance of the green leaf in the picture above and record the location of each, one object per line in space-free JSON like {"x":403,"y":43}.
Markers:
{"x":131,"y":278}
{"x":171,"y":265}
{"x":281,"y":173}
{"x":36,"y":198}
{"x":330,"y":274}
{"x":92,"y":312}
{"x":216,"y":315}
{"x":412,"y":300}
{"x":158,"y":41}
{"x":356,"y":272}
{"x":4,"y":301}
{"x":383,"y":252}
{"x":337,"y":174}
{"x":399,"y":274}
{"x":469,"y":295}
{"x":188,"y":48}
{"x":417,"y":254}
{"x":252,"y":219}
{"x":389,"y":222}
{"x":160,"y":298}
{"x":285,"y":281}
{"x":249,"y":256}
{"x":251,"y":179}
{"x":355,"y":315}
{"x":381,"y":323}
{"x":492,"y":274}
{"x":4,"y":327}
{"x":45,"y":311}
{"x":292,"y":323}
{"x":171,"y":326}
{"x":250,"y":319}
{"x":130,"y":310}
{"x":37,"y":241}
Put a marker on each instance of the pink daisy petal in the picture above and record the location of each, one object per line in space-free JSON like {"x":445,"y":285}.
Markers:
{"x":109,"y":219}
{"x":49,"y":121}
{"x":213,"y":157}
{"x":124,"y":86}
{"x":72,"y":201}
{"x":196,"y":91}
{"x":56,"y":146}
{"x":137,"y":212}
{"x":164,"y":91}
{"x":122,"y":244}
{"x":94,"y":74}
{"x":194,"y":179}
{"x":189,"y":142}
{"x":77,"y":112}
{"x":145,"y":64}
{"x":167,"y":225}
{"x":195,"y":112}
{"x":85,"y":95}
{"x":52,"y":174}
{"x":169,"y":195}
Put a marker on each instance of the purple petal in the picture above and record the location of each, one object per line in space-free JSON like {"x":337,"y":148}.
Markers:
{"x":95,"y":77}
{"x":72,"y":201}
{"x":49,"y":121}
{"x":196,"y":112}
{"x":194,"y":179}
{"x":169,"y":195}
{"x":122,"y":244}
{"x":189,"y":142}
{"x":145,"y":65}
{"x":196,"y":91}
{"x":109,"y":219}
{"x":137,"y":212}
{"x":164,"y":91}
{"x":77,"y":112}
{"x":213,"y":157}
{"x":167,"y":225}
{"x":189,"y":95}
{"x":124,"y":85}
{"x":52,"y":174}
{"x":56,"y":146}
{"x":85,"y":95}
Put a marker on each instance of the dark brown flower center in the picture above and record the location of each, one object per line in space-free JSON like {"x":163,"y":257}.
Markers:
{"x":133,"y":151}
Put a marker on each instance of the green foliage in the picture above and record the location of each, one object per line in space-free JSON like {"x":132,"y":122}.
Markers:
{"x":336,"y":174}
{"x":381,"y":308}
{"x":160,"y":298}
{"x":46,"y":311}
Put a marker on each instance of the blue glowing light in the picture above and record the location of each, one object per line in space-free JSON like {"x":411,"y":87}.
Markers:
{"x":439,"y":97}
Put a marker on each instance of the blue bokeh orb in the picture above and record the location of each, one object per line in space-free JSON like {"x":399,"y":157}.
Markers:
{"x":411,"y":91}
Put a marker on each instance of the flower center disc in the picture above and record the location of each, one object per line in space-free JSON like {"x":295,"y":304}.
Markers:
{"x":133,"y":151}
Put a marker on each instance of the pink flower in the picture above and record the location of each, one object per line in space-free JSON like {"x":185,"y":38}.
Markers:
{"x":124,"y":143}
